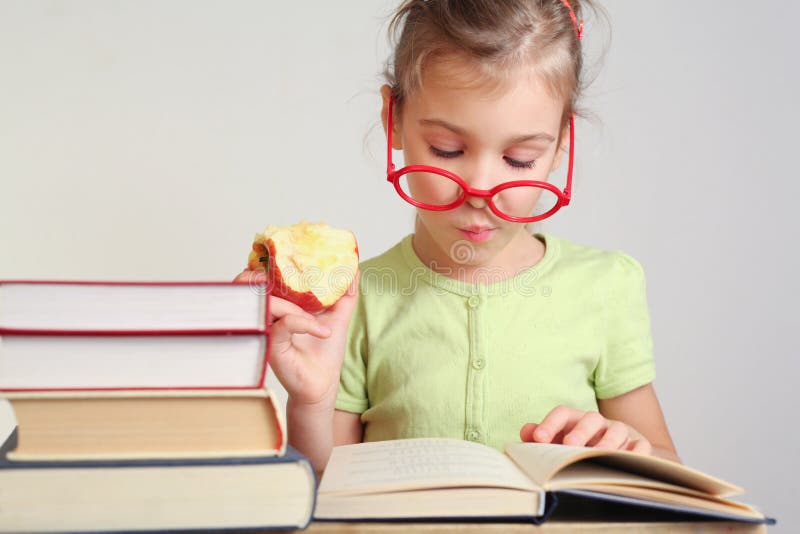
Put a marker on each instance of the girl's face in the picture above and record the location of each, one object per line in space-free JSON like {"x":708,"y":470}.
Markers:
{"x":486,"y":138}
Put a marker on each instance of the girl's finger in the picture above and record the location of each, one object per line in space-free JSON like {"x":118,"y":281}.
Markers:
{"x":640,"y":445}
{"x":589,"y":426}
{"x":526,"y":432}
{"x":561,"y":418}
{"x":283,"y":330}
{"x":251,"y":277}
{"x":615,"y":437}
{"x":343,"y":309}
{"x":279,"y":308}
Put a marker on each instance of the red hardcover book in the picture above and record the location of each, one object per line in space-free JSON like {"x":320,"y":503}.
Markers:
{"x":75,"y":336}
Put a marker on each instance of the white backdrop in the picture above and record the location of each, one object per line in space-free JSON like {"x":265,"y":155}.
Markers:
{"x":149,"y":140}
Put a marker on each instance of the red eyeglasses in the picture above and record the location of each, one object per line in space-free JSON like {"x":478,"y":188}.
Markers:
{"x":437,"y":189}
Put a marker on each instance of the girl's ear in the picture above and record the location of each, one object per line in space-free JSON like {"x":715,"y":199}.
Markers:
{"x":563,"y":149}
{"x":397,"y":138}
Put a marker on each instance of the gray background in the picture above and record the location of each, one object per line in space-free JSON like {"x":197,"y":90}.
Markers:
{"x":150,"y":140}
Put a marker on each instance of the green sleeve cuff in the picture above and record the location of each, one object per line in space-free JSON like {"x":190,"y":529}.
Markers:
{"x":615,"y":389}
{"x":351,"y":405}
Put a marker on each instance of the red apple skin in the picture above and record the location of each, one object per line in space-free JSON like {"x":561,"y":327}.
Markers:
{"x":278,"y":287}
{"x":254,"y":261}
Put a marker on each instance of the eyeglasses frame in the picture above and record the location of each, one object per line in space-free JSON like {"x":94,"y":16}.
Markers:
{"x":393,"y":176}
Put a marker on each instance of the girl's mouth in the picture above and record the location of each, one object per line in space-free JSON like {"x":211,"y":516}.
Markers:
{"x":477,"y":234}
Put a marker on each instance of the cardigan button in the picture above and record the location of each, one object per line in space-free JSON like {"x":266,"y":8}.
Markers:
{"x":474,"y":301}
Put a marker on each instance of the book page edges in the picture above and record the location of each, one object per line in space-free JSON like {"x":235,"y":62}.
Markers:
{"x":541,"y":462}
{"x":591,"y":474}
{"x":592,"y":477}
{"x":278,"y":448}
{"x":436,"y":503}
{"x":280,"y":421}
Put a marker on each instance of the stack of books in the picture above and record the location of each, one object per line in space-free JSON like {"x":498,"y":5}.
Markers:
{"x":142,"y":406}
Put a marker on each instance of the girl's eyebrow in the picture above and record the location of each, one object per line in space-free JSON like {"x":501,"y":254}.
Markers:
{"x":541,"y":136}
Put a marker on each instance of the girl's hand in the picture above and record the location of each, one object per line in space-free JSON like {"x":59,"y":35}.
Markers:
{"x":306,"y":351}
{"x":568,"y":426}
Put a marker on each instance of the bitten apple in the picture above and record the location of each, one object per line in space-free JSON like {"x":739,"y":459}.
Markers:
{"x":310,"y":264}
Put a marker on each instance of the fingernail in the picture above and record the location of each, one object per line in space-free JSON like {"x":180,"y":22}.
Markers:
{"x":542,"y":434}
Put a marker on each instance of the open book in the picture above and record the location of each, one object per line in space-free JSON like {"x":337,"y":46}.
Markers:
{"x":439,"y":478}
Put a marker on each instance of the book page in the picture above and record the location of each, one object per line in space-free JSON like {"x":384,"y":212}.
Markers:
{"x":590,"y":475}
{"x":418,"y":463}
{"x":541,"y":461}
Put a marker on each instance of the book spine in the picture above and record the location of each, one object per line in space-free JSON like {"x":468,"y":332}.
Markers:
{"x":134,"y":283}
{"x":265,"y":359}
{"x":117,"y":333}
{"x":281,"y":441}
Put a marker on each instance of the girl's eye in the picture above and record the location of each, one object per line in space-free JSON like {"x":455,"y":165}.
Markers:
{"x":516,"y":164}
{"x":444,"y":153}
{"x":520,"y":164}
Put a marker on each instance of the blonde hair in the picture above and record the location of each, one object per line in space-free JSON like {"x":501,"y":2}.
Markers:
{"x":498,"y":39}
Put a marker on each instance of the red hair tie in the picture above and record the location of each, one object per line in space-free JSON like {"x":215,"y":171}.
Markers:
{"x":578,"y":25}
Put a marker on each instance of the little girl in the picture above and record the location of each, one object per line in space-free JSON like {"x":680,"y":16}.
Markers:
{"x":472,"y":327}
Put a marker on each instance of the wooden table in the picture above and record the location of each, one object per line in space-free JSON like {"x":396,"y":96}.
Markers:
{"x":553,"y":526}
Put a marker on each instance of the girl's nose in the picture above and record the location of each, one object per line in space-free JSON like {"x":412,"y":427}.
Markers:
{"x":480,"y":178}
{"x":476,"y":202}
